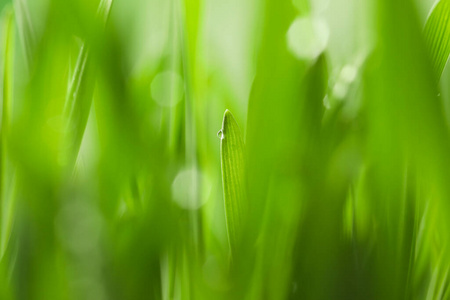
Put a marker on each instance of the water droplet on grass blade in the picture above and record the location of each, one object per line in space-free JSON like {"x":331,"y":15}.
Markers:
{"x":220,"y":134}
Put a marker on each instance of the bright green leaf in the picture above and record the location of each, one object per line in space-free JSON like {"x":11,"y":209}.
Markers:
{"x":232,"y":154}
{"x":26,"y":29}
{"x":7,"y":178}
{"x":437,"y":35}
{"x":80,"y":92}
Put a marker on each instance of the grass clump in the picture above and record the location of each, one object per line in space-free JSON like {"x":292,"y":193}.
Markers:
{"x":328,"y":181}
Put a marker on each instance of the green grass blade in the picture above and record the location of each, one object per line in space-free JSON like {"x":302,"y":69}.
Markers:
{"x":78,"y":103}
{"x":26,"y":30}
{"x":233,"y":178}
{"x":80,"y":92}
{"x":443,"y":285}
{"x":437,"y":35}
{"x":7,"y":177}
{"x":7,"y":67}
{"x":103,"y":10}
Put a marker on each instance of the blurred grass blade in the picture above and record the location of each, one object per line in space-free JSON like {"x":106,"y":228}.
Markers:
{"x":233,"y":178}
{"x":437,"y":35}
{"x":26,"y":30}
{"x":7,"y":176}
{"x":80,"y":92}
{"x":78,"y":104}
{"x":443,"y":285}
{"x":103,"y":10}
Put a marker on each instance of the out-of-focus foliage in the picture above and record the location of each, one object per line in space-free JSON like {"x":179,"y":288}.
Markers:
{"x":437,"y":33}
{"x":329,"y":181}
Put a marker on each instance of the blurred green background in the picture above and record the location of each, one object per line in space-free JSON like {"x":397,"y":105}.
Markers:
{"x":110,"y":164}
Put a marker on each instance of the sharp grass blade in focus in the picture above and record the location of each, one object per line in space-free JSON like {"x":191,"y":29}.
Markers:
{"x":437,"y":35}
{"x":7,"y":177}
{"x":232,"y":154}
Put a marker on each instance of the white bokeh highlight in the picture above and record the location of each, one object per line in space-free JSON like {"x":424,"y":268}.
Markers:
{"x":308,"y":37}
